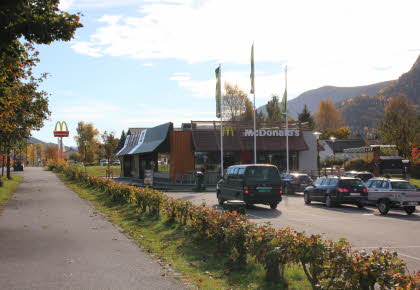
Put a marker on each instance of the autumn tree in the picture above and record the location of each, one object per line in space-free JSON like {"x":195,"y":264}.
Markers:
{"x":234,"y":102}
{"x":340,"y":133}
{"x":249,"y":111}
{"x":327,"y":116}
{"x":399,"y":125}
{"x":109,"y":144}
{"x":86,"y":141}
{"x":51,"y":152}
{"x":306,"y":117}
{"x":273,"y":109}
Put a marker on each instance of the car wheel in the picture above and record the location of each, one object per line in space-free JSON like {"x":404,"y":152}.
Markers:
{"x":219,"y":198}
{"x":360,"y":205}
{"x":328,"y":201}
{"x":273,"y":205}
{"x":383,"y":206}
{"x":409,"y":209}
{"x":249,"y":205}
{"x":306,"y":198}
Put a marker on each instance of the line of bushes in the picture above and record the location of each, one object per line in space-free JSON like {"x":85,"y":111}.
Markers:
{"x":327,"y":264}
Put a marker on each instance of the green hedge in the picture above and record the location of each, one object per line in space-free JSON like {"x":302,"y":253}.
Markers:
{"x":327,"y":264}
{"x":357,"y":164}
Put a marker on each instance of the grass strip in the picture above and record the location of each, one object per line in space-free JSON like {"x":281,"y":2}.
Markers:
{"x":9,"y":186}
{"x":194,"y":260}
{"x":98,"y":170}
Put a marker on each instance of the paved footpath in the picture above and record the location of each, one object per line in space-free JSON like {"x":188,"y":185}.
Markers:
{"x":50,"y":238}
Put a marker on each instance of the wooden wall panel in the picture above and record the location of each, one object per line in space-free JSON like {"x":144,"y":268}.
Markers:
{"x":182,"y":155}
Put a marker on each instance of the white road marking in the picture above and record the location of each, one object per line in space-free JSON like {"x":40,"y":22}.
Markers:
{"x":402,"y":247}
{"x":411,"y":257}
{"x":255,"y":216}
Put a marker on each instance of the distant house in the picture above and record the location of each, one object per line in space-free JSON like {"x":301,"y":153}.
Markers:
{"x":337,"y":147}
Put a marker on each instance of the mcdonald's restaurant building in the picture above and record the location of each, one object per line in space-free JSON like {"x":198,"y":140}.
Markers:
{"x":175,"y":153}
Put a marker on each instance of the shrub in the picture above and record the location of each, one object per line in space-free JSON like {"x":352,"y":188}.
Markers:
{"x":357,"y":164}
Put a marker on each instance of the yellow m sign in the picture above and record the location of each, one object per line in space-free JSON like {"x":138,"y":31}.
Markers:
{"x":228,"y":131}
{"x":60,"y":125}
{"x":59,"y":131}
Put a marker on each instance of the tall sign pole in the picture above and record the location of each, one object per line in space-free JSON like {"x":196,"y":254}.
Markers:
{"x":61,"y":130}
{"x":287,"y":125}
{"x":219,"y":111}
{"x":255,"y":110}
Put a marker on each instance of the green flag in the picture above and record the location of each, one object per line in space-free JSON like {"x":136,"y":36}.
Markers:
{"x":218,"y":92}
{"x":252,"y":70}
{"x":284,"y":102}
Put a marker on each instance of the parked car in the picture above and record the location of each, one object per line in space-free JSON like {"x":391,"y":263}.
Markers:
{"x":103,"y":162}
{"x":337,"y":190}
{"x":364,"y":176}
{"x":254,"y":184}
{"x":293,"y":182}
{"x":116,"y":162}
{"x":392,"y":193}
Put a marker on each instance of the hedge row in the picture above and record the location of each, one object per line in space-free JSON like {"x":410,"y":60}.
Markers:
{"x":327,"y":264}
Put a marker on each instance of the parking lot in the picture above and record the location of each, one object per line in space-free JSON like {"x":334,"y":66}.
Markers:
{"x":365,"y":228}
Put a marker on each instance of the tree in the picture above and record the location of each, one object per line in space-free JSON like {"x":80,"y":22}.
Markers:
{"x":51,"y":152}
{"x":234,"y":102}
{"x":249,"y":111}
{"x":121,"y":142}
{"x":75,"y":156}
{"x":86,"y":141}
{"x":340,"y":133}
{"x":399,"y":125}
{"x":273,"y":109}
{"x":109,"y":144}
{"x":327,"y":116}
{"x":306,"y":117}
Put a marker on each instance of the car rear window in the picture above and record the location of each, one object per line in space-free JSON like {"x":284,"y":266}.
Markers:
{"x":262,"y":173}
{"x":401,"y":185}
{"x":351,"y":182}
{"x":304,"y":178}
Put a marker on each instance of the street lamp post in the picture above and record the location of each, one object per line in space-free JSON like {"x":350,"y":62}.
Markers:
{"x":405,"y":164}
{"x":317,"y":134}
{"x":85,"y":143}
{"x":332,"y":138}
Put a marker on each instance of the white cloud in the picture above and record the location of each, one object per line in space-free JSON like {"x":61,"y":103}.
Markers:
{"x":324,"y":42}
{"x":149,"y":64}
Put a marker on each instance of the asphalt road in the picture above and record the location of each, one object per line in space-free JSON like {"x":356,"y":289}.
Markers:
{"x":52,"y":239}
{"x":364,"y":228}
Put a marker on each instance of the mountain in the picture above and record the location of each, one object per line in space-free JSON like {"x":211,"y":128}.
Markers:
{"x":336,"y":94}
{"x":370,"y":109}
{"x":33,"y":140}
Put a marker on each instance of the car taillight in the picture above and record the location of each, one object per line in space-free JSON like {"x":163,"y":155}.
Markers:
{"x":246,"y":191}
{"x":365,"y":190}
{"x":342,"y":190}
{"x":281,"y":191}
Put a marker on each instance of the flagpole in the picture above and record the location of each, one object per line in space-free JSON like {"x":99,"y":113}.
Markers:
{"x":287,"y":129}
{"x":221,"y":124}
{"x":255,"y":110}
{"x":255,"y":133}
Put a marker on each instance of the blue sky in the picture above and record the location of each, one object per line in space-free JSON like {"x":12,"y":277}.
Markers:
{"x":144,"y":63}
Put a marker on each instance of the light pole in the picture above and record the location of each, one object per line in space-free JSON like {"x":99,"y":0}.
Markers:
{"x":317,"y":134}
{"x":405,"y":164}
{"x":332,"y":138}
{"x":85,"y":143}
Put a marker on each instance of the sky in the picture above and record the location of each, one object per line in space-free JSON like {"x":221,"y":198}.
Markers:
{"x":143,"y":63}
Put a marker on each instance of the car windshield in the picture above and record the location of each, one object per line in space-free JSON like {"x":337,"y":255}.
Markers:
{"x":352,"y":182}
{"x":262,"y":173}
{"x":402,"y":185}
{"x":304,"y":178}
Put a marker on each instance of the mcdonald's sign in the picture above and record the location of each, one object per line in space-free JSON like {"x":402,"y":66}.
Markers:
{"x":61,"y":133}
{"x":228,"y":131}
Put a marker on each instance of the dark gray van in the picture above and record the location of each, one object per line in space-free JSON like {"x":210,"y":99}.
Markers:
{"x":252,"y":183}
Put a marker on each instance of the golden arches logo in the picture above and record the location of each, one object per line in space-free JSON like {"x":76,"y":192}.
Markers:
{"x":63,"y":129}
{"x":228,"y":131}
{"x":61,"y":124}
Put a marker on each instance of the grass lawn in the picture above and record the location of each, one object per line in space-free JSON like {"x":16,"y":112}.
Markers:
{"x":101,"y":170}
{"x":415,"y":181}
{"x":8,"y":187}
{"x":171,"y":246}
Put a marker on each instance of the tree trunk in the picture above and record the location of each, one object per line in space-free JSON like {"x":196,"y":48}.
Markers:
{"x":2,"y":167}
{"x":8,"y":164}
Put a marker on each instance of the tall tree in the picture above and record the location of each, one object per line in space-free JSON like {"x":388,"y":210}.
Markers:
{"x":399,"y":125}
{"x":109,"y":144}
{"x":327,"y":116}
{"x":121,"y":142}
{"x":51,"y":152}
{"x":86,"y":141}
{"x":234,"y":102}
{"x":273,"y":109}
{"x":306,"y":117}
{"x":249,"y":111}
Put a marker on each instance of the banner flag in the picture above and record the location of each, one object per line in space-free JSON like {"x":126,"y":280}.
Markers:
{"x":284,"y":100}
{"x":252,"y":71}
{"x":218,"y":92}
